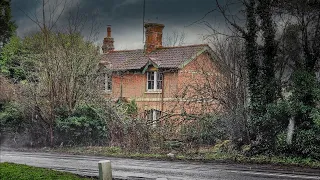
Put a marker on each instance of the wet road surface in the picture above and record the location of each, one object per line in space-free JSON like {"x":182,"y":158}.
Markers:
{"x":151,"y":169}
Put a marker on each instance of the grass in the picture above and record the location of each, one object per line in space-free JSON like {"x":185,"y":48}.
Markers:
{"x":209,"y":154}
{"x":11,"y":171}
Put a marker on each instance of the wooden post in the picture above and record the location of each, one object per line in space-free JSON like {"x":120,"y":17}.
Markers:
{"x":105,"y":172}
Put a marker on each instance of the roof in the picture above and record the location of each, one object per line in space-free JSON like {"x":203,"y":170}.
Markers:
{"x":165,"y":57}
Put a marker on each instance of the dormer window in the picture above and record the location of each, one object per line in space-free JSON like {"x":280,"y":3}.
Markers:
{"x":154,"y":81}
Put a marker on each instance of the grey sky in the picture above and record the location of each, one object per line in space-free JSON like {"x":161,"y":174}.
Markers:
{"x":125,"y":16}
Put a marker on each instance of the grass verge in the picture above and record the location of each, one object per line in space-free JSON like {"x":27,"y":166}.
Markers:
{"x":205,"y":155}
{"x":11,"y":171}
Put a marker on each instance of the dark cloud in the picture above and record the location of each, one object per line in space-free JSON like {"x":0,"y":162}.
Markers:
{"x":125,"y":16}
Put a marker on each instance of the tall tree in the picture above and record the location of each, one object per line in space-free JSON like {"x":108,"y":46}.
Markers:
{"x":302,"y":39}
{"x":260,"y":55}
{"x":7,"y":26}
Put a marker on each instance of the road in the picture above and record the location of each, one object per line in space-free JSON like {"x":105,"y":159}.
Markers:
{"x":150,"y":169}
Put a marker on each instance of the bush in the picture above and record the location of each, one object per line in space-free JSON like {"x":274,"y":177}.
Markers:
{"x":267,"y":127}
{"x":19,"y":127}
{"x":224,"y":147}
{"x":206,"y":130}
{"x":306,"y":143}
{"x":173,"y":145}
{"x":11,"y":118}
{"x":85,"y":126}
{"x":12,"y":123}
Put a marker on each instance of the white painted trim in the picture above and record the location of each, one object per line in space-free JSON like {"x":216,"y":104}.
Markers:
{"x":154,"y":118}
{"x":155,"y":82}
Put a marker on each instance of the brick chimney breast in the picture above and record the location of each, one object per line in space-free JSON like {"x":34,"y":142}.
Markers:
{"x":153,"y":36}
{"x":108,"y":42}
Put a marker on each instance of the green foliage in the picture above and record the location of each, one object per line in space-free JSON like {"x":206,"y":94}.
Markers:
{"x":305,"y":92}
{"x":273,"y":122}
{"x":132,"y":108}
{"x":10,"y":171}
{"x":223,"y":147}
{"x":11,"y":118}
{"x":315,"y":115}
{"x":306,"y":143}
{"x":206,"y":130}
{"x":11,"y":65}
{"x":7,"y":26}
{"x":85,"y":126}
{"x":173,"y":145}
{"x":277,"y":117}
{"x":112,"y":150}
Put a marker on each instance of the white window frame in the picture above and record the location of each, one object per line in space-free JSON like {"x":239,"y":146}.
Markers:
{"x":156,"y":76}
{"x":155,"y":115}
{"x":107,"y":82}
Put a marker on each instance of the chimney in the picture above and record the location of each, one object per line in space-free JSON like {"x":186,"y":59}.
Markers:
{"x":108,"y":42}
{"x":153,"y":36}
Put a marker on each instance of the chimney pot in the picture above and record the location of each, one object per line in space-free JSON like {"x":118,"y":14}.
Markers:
{"x":109,"y":31}
{"x":108,"y":42}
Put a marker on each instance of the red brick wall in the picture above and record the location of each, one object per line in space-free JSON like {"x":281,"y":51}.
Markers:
{"x":176,"y":85}
{"x":198,"y":82}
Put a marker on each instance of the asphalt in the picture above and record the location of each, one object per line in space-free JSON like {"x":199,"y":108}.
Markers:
{"x":150,"y":169}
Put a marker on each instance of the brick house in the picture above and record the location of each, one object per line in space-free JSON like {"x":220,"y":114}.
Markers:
{"x":162,"y":80}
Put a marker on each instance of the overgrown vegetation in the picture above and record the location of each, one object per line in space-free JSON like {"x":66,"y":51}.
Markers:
{"x":270,"y":93}
{"x":13,"y":171}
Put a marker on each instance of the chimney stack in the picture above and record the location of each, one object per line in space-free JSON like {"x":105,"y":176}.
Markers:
{"x":153,"y":36}
{"x":108,"y":42}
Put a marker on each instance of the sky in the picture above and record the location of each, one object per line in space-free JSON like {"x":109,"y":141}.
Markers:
{"x":125,"y":18}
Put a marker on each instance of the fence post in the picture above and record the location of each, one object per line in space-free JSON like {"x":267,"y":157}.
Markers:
{"x":105,"y":172}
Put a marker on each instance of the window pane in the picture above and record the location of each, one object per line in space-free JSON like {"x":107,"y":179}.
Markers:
{"x":107,"y":82}
{"x":159,"y":84}
{"x":150,"y":76}
{"x":150,"y":84}
{"x":160,"y":76}
{"x":159,"y":80}
{"x":103,"y":81}
{"x":149,"y":115}
{"x":158,"y":114}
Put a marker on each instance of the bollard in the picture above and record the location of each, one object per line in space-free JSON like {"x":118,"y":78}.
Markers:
{"x":105,"y":172}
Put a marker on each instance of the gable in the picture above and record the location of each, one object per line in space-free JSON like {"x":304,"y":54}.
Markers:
{"x":204,"y":60}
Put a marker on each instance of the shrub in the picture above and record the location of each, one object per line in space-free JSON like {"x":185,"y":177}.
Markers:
{"x":224,"y":147}
{"x":272,"y":123}
{"x":307,"y":143}
{"x":173,"y":145}
{"x":206,"y":130}
{"x":85,"y":126}
{"x":11,"y":118}
{"x":12,"y":123}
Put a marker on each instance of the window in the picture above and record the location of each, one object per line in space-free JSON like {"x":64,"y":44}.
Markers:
{"x":107,"y":82}
{"x":154,"y":81}
{"x":153,"y":116}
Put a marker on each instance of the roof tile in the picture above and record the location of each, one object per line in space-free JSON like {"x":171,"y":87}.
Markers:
{"x":165,"y":57}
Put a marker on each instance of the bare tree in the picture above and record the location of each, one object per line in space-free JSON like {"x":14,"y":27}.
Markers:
{"x":65,"y":65}
{"x":175,"y":38}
